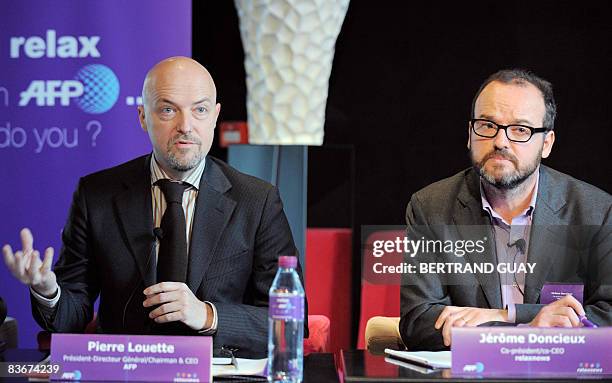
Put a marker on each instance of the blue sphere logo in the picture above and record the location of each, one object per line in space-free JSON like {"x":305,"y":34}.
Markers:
{"x":100,"y":88}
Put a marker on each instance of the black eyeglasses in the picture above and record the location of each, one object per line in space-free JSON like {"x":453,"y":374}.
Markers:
{"x":516,"y":133}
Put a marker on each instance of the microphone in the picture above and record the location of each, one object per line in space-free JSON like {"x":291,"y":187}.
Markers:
{"x":2,"y":311}
{"x":158,"y":234}
{"x":520,"y":244}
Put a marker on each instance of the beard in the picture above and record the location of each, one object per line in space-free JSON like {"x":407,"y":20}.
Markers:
{"x":185,"y":162}
{"x":509,"y":180}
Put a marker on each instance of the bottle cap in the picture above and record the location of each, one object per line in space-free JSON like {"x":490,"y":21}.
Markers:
{"x":286,"y":261}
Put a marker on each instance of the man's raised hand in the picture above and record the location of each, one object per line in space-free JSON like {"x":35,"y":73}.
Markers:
{"x":27,"y":267}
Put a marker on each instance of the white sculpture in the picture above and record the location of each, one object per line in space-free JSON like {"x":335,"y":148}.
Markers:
{"x":289,"y":48}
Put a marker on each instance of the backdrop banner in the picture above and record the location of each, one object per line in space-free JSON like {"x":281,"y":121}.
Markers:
{"x":70,"y":84}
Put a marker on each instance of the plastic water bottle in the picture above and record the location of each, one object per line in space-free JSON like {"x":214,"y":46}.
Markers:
{"x":286,"y":324}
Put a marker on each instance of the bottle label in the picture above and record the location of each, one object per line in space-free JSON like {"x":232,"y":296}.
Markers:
{"x":286,"y":307}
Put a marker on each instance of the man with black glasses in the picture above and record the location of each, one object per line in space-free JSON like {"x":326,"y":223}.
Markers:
{"x":526,"y":214}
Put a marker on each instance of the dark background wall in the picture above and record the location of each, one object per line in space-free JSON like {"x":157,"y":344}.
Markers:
{"x":401,"y":87}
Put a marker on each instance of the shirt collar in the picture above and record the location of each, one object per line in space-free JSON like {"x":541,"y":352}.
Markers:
{"x":486,"y":206}
{"x":193,"y":179}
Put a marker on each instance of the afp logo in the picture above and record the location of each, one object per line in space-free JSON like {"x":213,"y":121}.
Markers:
{"x":476,"y":367}
{"x":95,"y":89}
{"x":72,"y":375}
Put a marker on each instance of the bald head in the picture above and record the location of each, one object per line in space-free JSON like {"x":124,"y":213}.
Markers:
{"x":179,"y":113}
{"x":177,"y":72}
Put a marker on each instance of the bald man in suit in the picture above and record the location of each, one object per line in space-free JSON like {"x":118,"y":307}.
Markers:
{"x":235,"y":231}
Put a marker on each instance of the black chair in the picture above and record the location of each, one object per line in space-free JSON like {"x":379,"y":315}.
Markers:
{"x":2,"y":311}
{"x":2,"y":318}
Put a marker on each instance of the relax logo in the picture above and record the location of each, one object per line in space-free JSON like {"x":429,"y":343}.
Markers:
{"x":95,"y":89}
{"x":36,"y":47}
{"x":589,"y":368}
{"x":183,"y":377}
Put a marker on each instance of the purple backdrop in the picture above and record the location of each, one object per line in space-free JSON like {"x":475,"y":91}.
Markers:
{"x":71,"y":74}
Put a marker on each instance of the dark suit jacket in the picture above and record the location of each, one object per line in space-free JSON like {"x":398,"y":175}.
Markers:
{"x":570,"y":240}
{"x":239,"y":230}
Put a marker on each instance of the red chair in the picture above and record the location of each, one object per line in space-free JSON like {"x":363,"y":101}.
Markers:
{"x":380,"y":309}
{"x":328,"y":281}
{"x":318,"y":339}
{"x":44,"y":337}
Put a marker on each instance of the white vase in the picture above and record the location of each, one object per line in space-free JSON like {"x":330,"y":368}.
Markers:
{"x":289,"y":49}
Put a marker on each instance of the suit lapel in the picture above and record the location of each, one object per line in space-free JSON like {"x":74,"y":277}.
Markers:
{"x":472,"y":222}
{"x":545,"y":221}
{"x":135,"y":214}
{"x":212,"y":213}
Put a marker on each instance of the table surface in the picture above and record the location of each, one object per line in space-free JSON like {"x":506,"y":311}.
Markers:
{"x":361,"y":366}
{"x":318,"y":368}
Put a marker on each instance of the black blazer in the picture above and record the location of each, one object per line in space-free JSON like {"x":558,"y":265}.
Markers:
{"x":570,"y":241}
{"x":238,"y":233}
